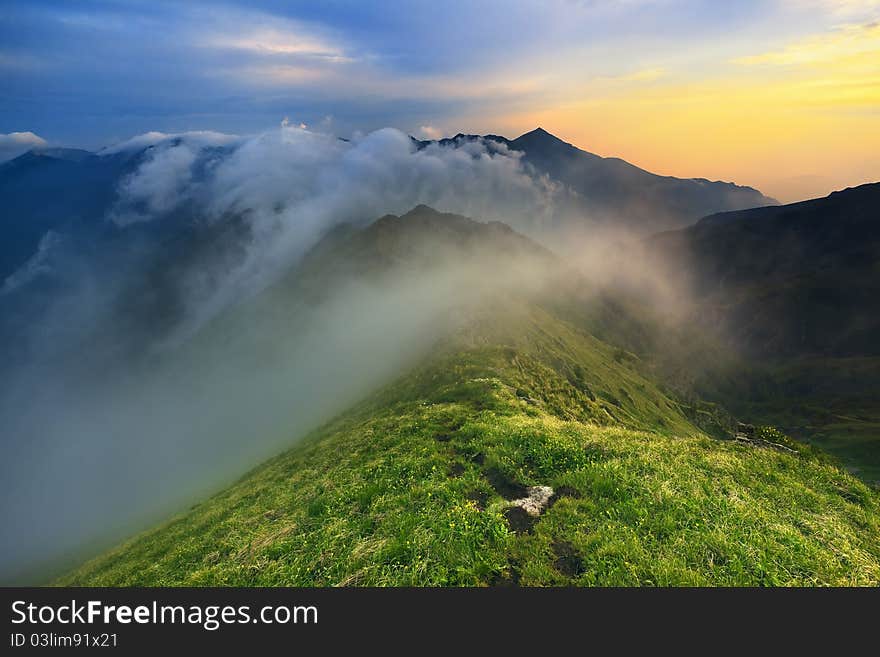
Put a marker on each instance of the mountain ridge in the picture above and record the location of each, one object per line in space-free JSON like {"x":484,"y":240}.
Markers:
{"x":425,"y":481}
{"x":53,"y":188}
{"x":613,"y":191}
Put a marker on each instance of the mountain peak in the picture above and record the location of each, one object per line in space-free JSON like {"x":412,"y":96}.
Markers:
{"x":540,"y":133}
{"x":421,"y":208}
{"x":548,"y":143}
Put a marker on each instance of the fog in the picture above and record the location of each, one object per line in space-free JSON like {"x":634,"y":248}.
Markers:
{"x":154,"y":361}
{"x":147,"y":370}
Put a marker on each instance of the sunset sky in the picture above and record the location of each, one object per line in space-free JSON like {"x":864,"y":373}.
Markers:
{"x":783,"y":95}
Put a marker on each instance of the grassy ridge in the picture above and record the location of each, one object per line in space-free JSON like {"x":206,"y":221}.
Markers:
{"x":828,"y":402}
{"x":412,"y":487}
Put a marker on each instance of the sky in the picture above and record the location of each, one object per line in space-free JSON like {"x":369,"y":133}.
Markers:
{"x":783,"y":95}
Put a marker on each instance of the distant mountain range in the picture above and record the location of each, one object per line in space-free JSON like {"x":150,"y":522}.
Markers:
{"x":799,"y":279}
{"x":55,"y":189}
{"x":72,"y":190}
{"x":513,"y":416}
{"x":611,"y":190}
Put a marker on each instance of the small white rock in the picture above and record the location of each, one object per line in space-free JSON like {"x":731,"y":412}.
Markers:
{"x":536,"y":502}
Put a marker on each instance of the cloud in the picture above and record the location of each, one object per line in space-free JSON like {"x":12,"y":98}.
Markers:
{"x":834,"y":70}
{"x":843,"y":44}
{"x":38,"y":264}
{"x":640,"y":75}
{"x":275,"y":42}
{"x":165,"y":176}
{"x":197,"y":138}
{"x":186,"y":365}
{"x":840,"y":8}
{"x":159,"y":185}
{"x":15,"y":143}
{"x":430,"y":132}
{"x":292,"y":184}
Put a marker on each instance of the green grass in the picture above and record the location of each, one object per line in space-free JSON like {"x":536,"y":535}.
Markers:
{"x":827,"y":402}
{"x":404,"y":488}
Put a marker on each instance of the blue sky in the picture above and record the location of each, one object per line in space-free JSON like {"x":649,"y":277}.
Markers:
{"x":91,"y":71}
{"x":88,"y":73}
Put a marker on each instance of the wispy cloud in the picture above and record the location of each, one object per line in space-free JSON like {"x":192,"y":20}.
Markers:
{"x":842,"y":8}
{"x":645,"y":75}
{"x":430,"y":132}
{"x":15,"y":143}
{"x":274,"y":42}
{"x":836,"y":69}
{"x":840,"y":44}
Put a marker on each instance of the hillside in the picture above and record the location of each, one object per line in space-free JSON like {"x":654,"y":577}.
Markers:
{"x":792,"y":293}
{"x":799,"y":279}
{"x":611,"y":190}
{"x":85,"y":197}
{"x":53,"y":189}
{"x":519,"y":450}
{"x":69,"y":192}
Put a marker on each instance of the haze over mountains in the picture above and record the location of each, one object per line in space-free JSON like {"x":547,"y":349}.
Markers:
{"x":794,"y":292}
{"x":517,"y":449}
{"x":611,"y":190}
{"x":73,"y":190}
{"x":180,"y":308}
{"x":799,"y":279}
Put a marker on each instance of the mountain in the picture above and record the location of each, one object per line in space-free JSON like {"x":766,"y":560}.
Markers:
{"x":72,"y":192}
{"x":66,"y":192}
{"x":613,"y":190}
{"x":516,"y":449}
{"x":437,"y":310}
{"x":423,"y":236}
{"x":792,"y":293}
{"x":798,"y":279}
{"x":53,"y":189}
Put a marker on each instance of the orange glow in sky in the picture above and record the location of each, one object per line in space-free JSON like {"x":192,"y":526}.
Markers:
{"x":796,"y":123}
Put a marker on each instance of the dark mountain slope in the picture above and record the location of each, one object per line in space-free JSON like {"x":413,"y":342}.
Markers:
{"x":618,"y":186}
{"x":800,"y":279}
{"x":423,"y":238}
{"x":53,"y":189}
{"x":786,"y":308}
{"x":613,"y":190}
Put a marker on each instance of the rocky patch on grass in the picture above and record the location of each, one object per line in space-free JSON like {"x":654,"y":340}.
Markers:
{"x":525,"y":504}
{"x":752,"y":435}
{"x":537,"y":500}
{"x":523,"y":512}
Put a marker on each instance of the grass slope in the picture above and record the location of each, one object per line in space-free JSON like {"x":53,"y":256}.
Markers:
{"x":411,"y":487}
{"x":828,"y":402}
{"x":792,"y":293}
